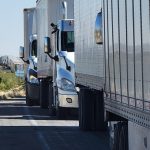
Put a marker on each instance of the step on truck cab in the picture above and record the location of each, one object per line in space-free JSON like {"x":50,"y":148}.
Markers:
{"x":56,"y":67}
{"x":29,"y":55}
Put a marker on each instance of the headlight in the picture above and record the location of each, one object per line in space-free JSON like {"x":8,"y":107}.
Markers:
{"x":33,"y":79}
{"x":66,"y":85}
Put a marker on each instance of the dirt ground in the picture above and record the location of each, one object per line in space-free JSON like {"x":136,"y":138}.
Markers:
{"x":16,"y":92}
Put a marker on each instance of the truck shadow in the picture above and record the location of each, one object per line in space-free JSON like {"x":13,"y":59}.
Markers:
{"x":17,"y":109}
{"x":31,"y":128}
{"x":51,"y":138}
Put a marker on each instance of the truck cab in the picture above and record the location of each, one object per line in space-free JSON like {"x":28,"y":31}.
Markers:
{"x":28,"y":53}
{"x":64,"y":92}
{"x":32,"y":83}
{"x":65,"y":66}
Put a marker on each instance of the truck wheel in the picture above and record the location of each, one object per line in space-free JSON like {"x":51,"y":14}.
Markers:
{"x":99,"y":120}
{"x":123,"y":144}
{"x":44,"y":93}
{"x":60,"y":113}
{"x":91,"y":110}
{"x":85,"y":109}
{"x":121,"y":136}
{"x":52,"y":109}
{"x":28,"y":101}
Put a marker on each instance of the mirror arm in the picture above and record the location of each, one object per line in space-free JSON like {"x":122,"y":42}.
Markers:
{"x":26,"y":61}
{"x":55,"y":57}
{"x":67,"y":66}
{"x":55,"y":28}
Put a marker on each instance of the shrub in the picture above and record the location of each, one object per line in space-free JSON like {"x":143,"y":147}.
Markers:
{"x":9,"y":81}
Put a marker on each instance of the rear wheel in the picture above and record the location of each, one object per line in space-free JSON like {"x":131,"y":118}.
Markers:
{"x":44,"y":93}
{"x":29,"y":102}
{"x":120,"y":136}
{"x":85,"y":110}
{"x":52,"y":109}
{"x":91,"y":110}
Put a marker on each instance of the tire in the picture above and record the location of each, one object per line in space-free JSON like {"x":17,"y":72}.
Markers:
{"x":29,"y":102}
{"x":52,"y":109}
{"x":60,"y":113}
{"x":99,"y":121}
{"x":85,"y":109}
{"x":121,"y":136}
{"x":123,"y":144}
{"x":44,"y":93}
{"x":91,"y":110}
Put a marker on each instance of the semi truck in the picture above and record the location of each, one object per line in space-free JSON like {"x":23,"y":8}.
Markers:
{"x":55,"y":53}
{"x":112,"y":69}
{"x":28,"y":53}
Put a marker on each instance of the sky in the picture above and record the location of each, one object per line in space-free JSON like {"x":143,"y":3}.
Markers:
{"x":11,"y":25}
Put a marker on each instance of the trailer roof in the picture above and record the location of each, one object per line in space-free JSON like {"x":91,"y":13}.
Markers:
{"x":15,"y":60}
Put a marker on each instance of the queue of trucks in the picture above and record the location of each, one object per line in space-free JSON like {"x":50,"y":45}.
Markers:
{"x":101,"y":47}
{"x":49,"y":54}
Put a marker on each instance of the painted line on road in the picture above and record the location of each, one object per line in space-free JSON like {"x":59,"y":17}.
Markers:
{"x":41,"y":137}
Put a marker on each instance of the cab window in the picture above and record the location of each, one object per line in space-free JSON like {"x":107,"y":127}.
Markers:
{"x":34,"y":48}
{"x":67,"y":42}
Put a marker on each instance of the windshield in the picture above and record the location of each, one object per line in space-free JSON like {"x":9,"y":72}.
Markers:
{"x":34,"y":48}
{"x":67,"y":41}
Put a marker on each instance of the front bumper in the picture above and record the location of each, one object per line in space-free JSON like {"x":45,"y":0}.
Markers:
{"x":67,"y":99}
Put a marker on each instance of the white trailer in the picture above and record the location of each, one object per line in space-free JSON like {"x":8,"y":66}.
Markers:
{"x":4,"y":60}
{"x":55,"y":27}
{"x":113,"y":75}
{"x":29,"y":55}
{"x":13,"y":62}
{"x":89,"y":59}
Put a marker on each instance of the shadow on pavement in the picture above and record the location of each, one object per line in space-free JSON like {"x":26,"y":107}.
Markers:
{"x":17,"y":109}
{"x":33,"y":129}
{"x":53,"y":138}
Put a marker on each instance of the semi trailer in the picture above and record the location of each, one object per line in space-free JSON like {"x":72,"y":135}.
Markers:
{"x":55,"y":52}
{"x":112,"y":69}
{"x":28,"y":53}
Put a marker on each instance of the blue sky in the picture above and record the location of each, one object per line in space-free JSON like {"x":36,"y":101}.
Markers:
{"x":11,"y":25}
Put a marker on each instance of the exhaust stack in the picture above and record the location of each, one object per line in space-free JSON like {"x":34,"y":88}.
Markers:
{"x":64,"y":9}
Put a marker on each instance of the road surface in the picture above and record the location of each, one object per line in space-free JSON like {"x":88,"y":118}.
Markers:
{"x":31,"y":128}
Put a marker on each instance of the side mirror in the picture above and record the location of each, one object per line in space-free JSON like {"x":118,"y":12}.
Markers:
{"x":47,"y":45}
{"x":99,"y":29}
{"x":21,"y":52}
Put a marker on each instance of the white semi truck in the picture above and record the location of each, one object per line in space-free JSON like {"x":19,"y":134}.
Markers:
{"x":112,"y":69}
{"x":55,"y":52}
{"x":29,"y":55}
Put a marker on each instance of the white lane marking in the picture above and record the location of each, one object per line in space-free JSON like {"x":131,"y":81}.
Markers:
{"x":20,"y":116}
{"x":41,"y":137}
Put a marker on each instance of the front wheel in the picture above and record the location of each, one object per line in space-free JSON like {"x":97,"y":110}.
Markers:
{"x":28,"y":101}
{"x":60,"y":113}
{"x":44,"y":93}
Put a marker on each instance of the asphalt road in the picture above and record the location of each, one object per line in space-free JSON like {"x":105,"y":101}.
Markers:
{"x":31,"y":128}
